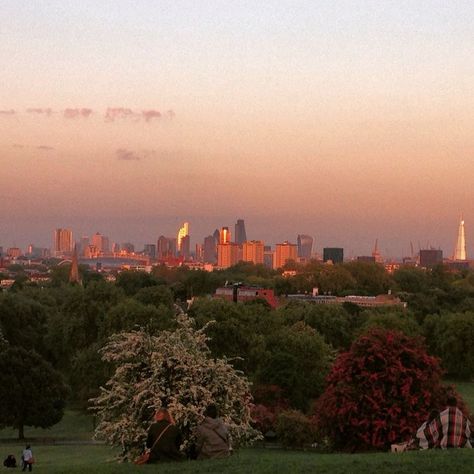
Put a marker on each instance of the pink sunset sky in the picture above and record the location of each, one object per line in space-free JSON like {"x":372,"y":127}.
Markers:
{"x":345,"y":120}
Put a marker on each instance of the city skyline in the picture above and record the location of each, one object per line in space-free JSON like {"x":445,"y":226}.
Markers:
{"x":347,"y":121}
{"x":317,"y":245}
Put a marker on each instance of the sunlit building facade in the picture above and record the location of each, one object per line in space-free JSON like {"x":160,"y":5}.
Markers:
{"x":252,"y":251}
{"x":62,"y":242}
{"x":283,"y":253}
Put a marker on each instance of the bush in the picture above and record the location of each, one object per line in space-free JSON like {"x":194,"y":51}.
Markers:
{"x":173,"y":369}
{"x":379,"y":392}
{"x":294,"y":429}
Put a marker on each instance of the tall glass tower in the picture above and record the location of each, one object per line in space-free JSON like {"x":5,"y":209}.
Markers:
{"x":460,"y":251}
{"x":240,"y":234}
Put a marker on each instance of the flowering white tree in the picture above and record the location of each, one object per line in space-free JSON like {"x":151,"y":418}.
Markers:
{"x":172,"y":369}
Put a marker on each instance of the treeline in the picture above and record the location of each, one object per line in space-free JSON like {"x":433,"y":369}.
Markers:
{"x":290,"y":348}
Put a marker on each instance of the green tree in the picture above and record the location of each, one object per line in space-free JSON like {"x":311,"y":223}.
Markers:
{"x":130,"y":314}
{"x":371,"y":278}
{"x":450,"y":336}
{"x":132,"y":281}
{"x":297,"y":360}
{"x":32,"y":392}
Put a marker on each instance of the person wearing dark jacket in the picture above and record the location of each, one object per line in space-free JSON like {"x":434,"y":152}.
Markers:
{"x":212,"y":436}
{"x":164,"y":438}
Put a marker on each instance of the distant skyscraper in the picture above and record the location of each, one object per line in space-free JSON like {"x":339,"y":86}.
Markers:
{"x":252,"y":251}
{"x":283,"y":253}
{"x":62,"y":242}
{"x":305,"y":245}
{"x":162,"y":247}
{"x":460,"y":251}
{"x":101,"y":243}
{"x":185,"y":250}
{"x":240,"y":234}
{"x":210,"y":249}
{"x":182,"y":232}
{"x":430,"y":257}
{"x":333,"y":254}
{"x":224,"y":236}
{"x":150,"y":250}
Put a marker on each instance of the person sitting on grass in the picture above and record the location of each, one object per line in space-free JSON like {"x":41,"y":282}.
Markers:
{"x":164,"y":438}
{"x":10,"y":461}
{"x":428,"y":434}
{"x":213,"y":439}
{"x":454,"y":427}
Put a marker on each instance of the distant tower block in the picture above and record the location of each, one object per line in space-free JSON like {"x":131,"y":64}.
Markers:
{"x":460,"y":251}
{"x":240,"y":234}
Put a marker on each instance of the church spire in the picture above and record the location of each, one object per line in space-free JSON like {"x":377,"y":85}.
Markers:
{"x":74,"y":273}
{"x":460,"y":251}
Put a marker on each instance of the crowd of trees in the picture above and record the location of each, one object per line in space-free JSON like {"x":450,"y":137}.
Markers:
{"x":285,"y":353}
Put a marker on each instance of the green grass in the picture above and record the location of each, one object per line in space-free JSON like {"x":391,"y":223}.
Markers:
{"x":466,"y":389}
{"x":74,"y":426}
{"x":99,"y":459}
{"x":89,"y":459}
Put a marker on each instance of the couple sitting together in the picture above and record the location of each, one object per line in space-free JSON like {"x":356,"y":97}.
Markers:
{"x":164,"y":438}
{"x":448,"y":429}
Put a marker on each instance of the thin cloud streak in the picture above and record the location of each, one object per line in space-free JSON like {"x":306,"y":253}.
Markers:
{"x":149,"y":115}
{"x":40,"y":111}
{"x":76,"y":113}
{"x":126,"y":155}
{"x":44,"y":148}
{"x":7,"y":112}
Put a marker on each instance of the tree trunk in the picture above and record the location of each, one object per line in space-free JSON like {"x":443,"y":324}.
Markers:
{"x":21,"y":433}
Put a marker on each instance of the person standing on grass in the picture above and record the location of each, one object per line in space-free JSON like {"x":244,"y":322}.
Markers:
{"x":27,"y":458}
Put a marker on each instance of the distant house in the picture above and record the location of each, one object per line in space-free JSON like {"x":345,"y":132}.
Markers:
{"x":242,"y":294}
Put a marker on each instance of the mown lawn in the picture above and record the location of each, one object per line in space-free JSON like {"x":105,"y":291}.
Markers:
{"x":99,"y":459}
{"x":75,"y":457}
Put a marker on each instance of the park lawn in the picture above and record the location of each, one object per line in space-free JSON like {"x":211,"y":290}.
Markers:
{"x":74,"y":425}
{"x":90,"y":459}
{"x":466,"y":389}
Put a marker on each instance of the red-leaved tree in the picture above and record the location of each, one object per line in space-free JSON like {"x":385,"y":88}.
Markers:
{"x":379,"y":392}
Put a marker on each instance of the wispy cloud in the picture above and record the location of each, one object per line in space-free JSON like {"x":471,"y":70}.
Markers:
{"x":18,"y":145}
{"x":44,"y":148}
{"x":75,"y":113}
{"x":113,"y":113}
{"x":149,"y":115}
{"x":7,"y":112}
{"x":40,"y":111}
{"x":126,"y":155}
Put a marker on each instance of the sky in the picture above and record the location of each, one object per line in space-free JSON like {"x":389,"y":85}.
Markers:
{"x":347,"y":120}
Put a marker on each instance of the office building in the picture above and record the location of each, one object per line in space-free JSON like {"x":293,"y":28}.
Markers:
{"x":333,"y":254}
{"x":62,"y":242}
{"x":252,"y":251}
{"x":227,"y":254}
{"x":284,"y":252}
{"x":210,"y":250}
{"x":150,"y":250}
{"x":101,"y":243}
{"x":240,"y":234}
{"x":182,"y":233}
{"x":305,"y":246}
{"x":224,"y":235}
{"x":185,"y":249}
{"x":430,"y":257}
